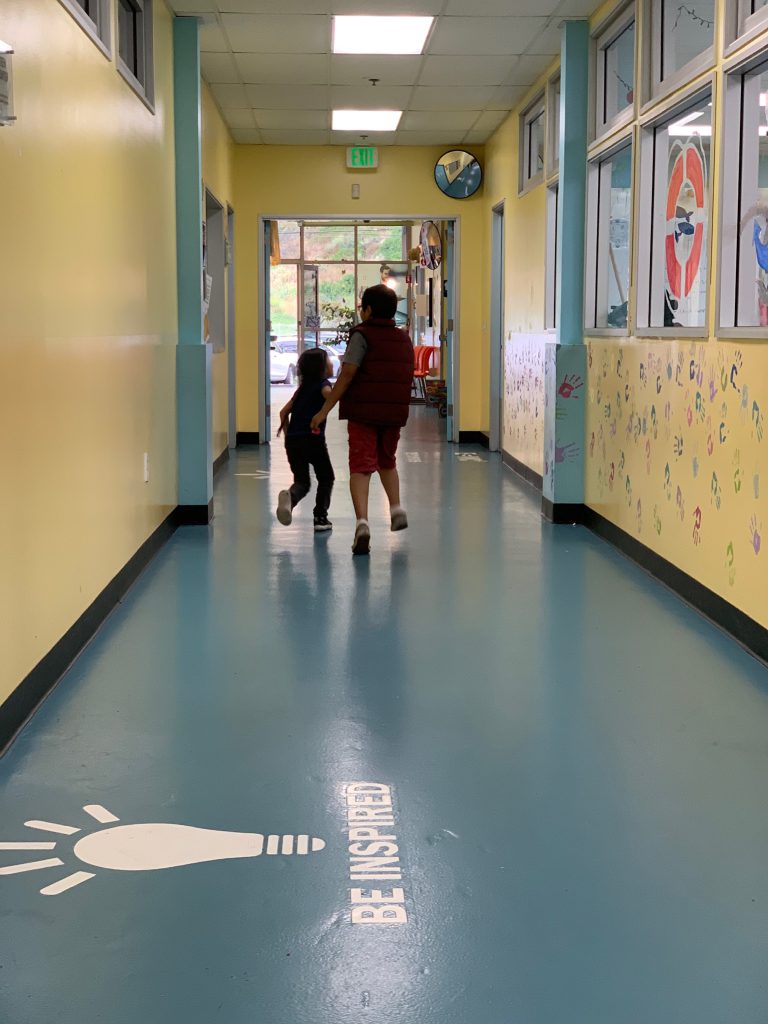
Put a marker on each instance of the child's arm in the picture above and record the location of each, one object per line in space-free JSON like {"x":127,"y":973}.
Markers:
{"x":285,"y":412}
{"x":348,"y":371}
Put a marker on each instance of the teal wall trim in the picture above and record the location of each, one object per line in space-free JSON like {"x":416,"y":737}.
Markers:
{"x":193,"y":366}
{"x":564,"y":419}
{"x":189,"y":175}
{"x":194,"y":412}
{"x":572,"y":191}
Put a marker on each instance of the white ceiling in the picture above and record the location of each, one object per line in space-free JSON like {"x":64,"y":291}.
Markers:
{"x":272,"y":73}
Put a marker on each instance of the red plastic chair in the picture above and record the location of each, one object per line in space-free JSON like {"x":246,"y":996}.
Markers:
{"x":422,"y":356}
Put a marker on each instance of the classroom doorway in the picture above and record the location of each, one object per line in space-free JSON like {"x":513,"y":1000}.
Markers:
{"x":497,"y":329}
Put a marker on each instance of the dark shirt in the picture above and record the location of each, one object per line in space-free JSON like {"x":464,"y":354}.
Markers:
{"x":307,"y":401}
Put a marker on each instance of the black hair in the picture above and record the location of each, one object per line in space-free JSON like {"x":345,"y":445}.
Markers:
{"x":381,"y":300}
{"x":311,"y":366}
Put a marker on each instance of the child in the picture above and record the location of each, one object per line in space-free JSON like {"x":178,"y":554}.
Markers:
{"x":304,"y":446}
{"x":374,"y":388}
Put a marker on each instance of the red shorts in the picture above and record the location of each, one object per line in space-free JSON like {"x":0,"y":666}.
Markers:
{"x":372,"y":448}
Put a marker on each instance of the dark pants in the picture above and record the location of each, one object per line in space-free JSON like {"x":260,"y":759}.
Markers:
{"x":304,"y":452}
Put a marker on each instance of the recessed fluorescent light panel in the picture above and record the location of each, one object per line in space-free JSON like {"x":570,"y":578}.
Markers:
{"x":366,"y":120}
{"x":353,"y":34}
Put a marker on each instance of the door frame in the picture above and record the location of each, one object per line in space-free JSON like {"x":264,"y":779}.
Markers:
{"x":231,"y":332}
{"x":262,"y":314}
{"x":495,"y":424}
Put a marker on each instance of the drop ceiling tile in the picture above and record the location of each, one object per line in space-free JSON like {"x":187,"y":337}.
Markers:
{"x":525,"y":70}
{"x":283,"y":68}
{"x":240,"y":119}
{"x":230,"y":97}
{"x":577,"y":8}
{"x":295,"y":138}
{"x":212,"y":39}
{"x":219,"y":68}
{"x":348,"y":69}
{"x":465,"y":70}
{"x":278,"y":33}
{"x":548,"y":41}
{"x":506,"y":97}
{"x":485,"y":35}
{"x":490,"y":120}
{"x":293,"y":120}
{"x":488,"y":8}
{"x":351,"y":97}
{"x":454,"y":121}
{"x":432,"y":138}
{"x":328,"y":7}
{"x":434,"y":97}
{"x":363,"y":138}
{"x":193,"y":6}
{"x":247,"y":138}
{"x":477,"y":138}
{"x":287,"y":97}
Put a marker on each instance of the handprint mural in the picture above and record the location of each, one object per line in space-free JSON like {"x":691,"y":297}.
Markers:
{"x":709,"y":402}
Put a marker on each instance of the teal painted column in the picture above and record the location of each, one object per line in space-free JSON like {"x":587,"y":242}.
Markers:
{"x":565,"y":363}
{"x":193,"y":356}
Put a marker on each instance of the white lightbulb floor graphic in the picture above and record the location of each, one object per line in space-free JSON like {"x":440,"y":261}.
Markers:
{"x":148,"y":847}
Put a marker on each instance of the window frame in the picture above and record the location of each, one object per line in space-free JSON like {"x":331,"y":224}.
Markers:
{"x":552,"y":146}
{"x":143,"y":86}
{"x":537,"y":108}
{"x":606,"y":33}
{"x":732,"y":196}
{"x":592,"y":277}
{"x":646,"y":172}
{"x":99,"y":29}
{"x":741,"y":28}
{"x":657,"y":88}
{"x":551,"y":282}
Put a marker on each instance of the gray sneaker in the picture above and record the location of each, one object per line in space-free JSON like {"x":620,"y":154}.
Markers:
{"x":399,"y":521}
{"x":284,"y":511}
{"x":362,"y":542}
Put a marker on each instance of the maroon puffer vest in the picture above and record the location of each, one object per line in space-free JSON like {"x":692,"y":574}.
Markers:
{"x":380,"y":393}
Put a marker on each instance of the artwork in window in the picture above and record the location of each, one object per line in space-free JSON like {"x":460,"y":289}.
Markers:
{"x":614,"y":241}
{"x":687,"y":30}
{"x":753,"y":240}
{"x":535,"y":146}
{"x":686,"y":144}
{"x":619,"y":74}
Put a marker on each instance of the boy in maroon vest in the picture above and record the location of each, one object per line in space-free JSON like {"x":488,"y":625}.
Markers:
{"x":374,"y":388}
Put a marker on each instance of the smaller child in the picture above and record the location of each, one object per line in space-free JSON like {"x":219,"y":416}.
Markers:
{"x":305,"y":447}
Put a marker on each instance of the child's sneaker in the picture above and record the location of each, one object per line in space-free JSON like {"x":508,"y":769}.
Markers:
{"x":362,"y":542}
{"x":322,"y":524}
{"x":284,"y":511}
{"x":399,"y":520}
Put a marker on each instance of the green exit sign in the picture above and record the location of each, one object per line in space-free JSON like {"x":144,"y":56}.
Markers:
{"x":362,"y":157}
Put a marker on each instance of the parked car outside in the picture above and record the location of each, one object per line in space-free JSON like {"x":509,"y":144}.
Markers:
{"x":282,"y":364}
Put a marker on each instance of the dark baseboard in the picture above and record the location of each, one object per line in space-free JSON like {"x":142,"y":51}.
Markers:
{"x":529,"y":475}
{"x":744,"y":630}
{"x":246,"y":437}
{"x":33,"y":690}
{"x":473,"y":437}
{"x":220,"y":461}
{"x":564,"y":513}
{"x":195,"y":515}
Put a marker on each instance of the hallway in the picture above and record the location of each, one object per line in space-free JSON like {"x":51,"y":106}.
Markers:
{"x":577,"y":762}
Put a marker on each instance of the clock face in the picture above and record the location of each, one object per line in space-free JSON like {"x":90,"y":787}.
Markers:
{"x":458,"y":174}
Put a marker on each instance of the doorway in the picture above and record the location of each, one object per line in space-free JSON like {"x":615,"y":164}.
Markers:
{"x":229,"y":260}
{"x":312,"y":275}
{"x":497,"y":329}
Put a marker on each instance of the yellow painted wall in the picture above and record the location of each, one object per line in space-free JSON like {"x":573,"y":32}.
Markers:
{"x":676,"y":447}
{"x":522,"y":428}
{"x":88,"y":325}
{"x":218,"y":175}
{"x":313,"y":181}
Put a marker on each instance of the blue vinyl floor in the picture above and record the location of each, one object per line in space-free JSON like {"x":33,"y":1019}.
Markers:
{"x":576,"y":764}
